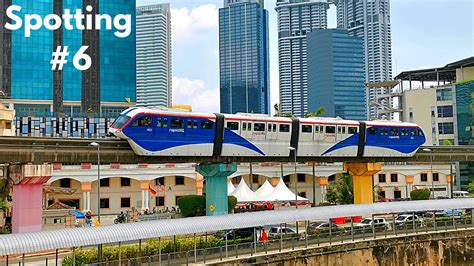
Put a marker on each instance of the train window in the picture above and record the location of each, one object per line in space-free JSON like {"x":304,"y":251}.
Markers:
{"x":195,"y":124}
{"x":274,"y":128}
{"x":177,"y":123}
{"x":393,"y":132}
{"x":269,"y":128}
{"x":306,"y":129}
{"x":343,"y":130}
{"x":165,"y":122}
{"x":233,"y":125}
{"x":372,"y":131}
{"x":316,"y":129}
{"x":206,"y":124}
{"x":384,"y":132}
{"x":190,"y":123}
{"x":143,"y":121}
{"x":158,"y":122}
{"x":244,"y":126}
{"x":339,"y":130}
{"x":330,"y":129}
{"x":259,"y":127}
{"x":284,"y":128}
{"x":352,"y":130}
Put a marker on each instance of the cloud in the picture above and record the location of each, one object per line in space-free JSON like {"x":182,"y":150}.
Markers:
{"x":185,"y":23}
{"x":195,"y":93}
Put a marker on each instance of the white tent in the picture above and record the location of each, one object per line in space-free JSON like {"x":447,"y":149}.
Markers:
{"x":243,"y":193}
{"x":282,"y":193}
{"x":230,"y":187}
{"x":265,"y":190}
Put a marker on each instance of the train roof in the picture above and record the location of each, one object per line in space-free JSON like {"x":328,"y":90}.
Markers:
{"x":165,"y":111}
{"x":390,"y":123}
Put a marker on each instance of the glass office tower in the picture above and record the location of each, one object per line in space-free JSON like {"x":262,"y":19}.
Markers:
{"x":33,"y":89}
{"x":244,"y":57}
{"x":336,"y":74}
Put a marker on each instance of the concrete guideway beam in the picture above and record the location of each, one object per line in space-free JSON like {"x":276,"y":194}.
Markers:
{"x":216,"y":186}
{"x":362,"y":179}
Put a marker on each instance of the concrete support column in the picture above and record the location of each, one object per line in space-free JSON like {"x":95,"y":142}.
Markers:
{"x":28,"y":183}
{"x":86,"y":189}
{"x":323,"y":182}
{"x":216,"y":186}
{"x":362,"y":179}
{"x":144,"y":186}
{"x":409,"y":179}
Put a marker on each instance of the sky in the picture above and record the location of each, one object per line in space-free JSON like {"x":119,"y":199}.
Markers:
{"x":425,"y":33}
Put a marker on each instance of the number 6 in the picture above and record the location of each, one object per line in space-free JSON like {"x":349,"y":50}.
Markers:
{"x":80,"y":55}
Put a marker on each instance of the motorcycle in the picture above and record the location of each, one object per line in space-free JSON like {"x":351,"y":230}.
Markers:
{"x":121,"y":219}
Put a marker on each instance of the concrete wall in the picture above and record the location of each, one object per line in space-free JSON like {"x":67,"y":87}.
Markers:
{"x":464,"y":73}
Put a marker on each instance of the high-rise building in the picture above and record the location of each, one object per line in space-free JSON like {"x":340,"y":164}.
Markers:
{"x":154,"y":56}
{"x":370,"y":19}
{"x":336,"y":74}
{"x":33,"y":89}
{"x":296,"y":18}
{"x":244,"y":57}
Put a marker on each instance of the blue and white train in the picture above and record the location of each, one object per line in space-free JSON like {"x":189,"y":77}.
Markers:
{"x":153,"y":132}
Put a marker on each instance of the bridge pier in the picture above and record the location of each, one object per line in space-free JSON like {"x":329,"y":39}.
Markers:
{"x":28,"y":180}
{"x":362,"y":179}
{"x":216,"y":186}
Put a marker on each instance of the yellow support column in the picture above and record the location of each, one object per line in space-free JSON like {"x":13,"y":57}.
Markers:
{"x":362,"y":178}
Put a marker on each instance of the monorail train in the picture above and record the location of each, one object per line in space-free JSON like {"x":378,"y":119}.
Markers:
{"x":154,"y":132}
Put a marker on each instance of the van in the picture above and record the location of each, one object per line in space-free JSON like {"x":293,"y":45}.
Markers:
{"x":461,"y":194}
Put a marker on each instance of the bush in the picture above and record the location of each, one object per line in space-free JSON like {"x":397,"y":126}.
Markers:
{"x":150,"y":248}
{"x":232,"y":201}
{"x":420,"y":194}
{"x":192,"y":205}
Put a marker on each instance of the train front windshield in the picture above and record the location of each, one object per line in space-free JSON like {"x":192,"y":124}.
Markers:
{"x":120,"y":121}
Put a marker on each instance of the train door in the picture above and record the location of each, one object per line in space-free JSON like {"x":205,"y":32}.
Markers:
{"x":246,"y":131}
{"x":305,"y":147}
{"x":341,"y":133}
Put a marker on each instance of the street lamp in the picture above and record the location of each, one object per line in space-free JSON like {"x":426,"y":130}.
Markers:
{"x":296,"y":176}
{"x":431,"y":167}
{"x":95,"y":144}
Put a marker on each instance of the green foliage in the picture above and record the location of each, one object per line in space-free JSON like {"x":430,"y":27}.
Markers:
{"x":317,"y":113}
{"x":287,"y":115}
{"x":5,"y":187}
{"x":150,"y":248}
{"x":341,"y":190}
{"x":232,"y":201}
{"x":447,"y":142}
{"x":3,"y":206}
{"x":471,"y":185}
{"x":420,"y":194}
{"x":192,"y":205}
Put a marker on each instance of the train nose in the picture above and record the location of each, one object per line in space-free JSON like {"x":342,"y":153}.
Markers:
{"x":118,"y":133}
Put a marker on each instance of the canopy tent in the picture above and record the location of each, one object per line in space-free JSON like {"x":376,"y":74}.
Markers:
{"x":282,"y":193}
{"x":79,"y":215}
{"x":243,"y":193}
{"x":230,"y":187}
{"x":265,"y":190}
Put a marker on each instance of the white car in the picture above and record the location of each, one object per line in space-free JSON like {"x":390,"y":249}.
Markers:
{"x":378,"y":223}
{"x":408,"y":219}
{"x":277,"y":231}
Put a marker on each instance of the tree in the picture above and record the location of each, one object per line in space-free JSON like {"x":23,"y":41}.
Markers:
{"x":317,"y":113}
{"x":3,"y":206}
{"x":277,"y":110}
{"x":471,"y":185}
{"x":341,"y":190}
{"x":420,"y":194}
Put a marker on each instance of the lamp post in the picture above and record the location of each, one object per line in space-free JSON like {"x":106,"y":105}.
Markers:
{"x":431,"y":169}
{"x":296,"y":176}
{"x":95,"y":144}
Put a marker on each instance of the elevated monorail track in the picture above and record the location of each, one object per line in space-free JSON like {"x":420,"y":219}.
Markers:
{"x":75,"y":151}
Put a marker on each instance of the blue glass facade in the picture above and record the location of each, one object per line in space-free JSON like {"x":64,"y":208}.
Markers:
{"x":32,"y":78}
{"x":31,"y":75}
{"x":117,"y":56}
{"x":244,"y":58}
{"x":336,"y":74}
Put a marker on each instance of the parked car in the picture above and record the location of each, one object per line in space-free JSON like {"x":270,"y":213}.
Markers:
{"x":239,"y":233}
{"x":403,"y":219}
{"x":277,"y":231}
{"x":448,"y":213}
{"x":320,"y":227}
{"x":378,"y":223}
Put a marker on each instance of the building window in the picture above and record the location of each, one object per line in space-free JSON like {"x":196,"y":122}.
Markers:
{"x":394,"y":178}
{"x":104,"y":203}
{"x":382,"y":178}
{"x":381,"y":194}
{"x":124,"y":181}
{"x":160,"y":181}
{"x":301,"y":178}
{"x":302,"y":194}
{"x":125,"y":203}
{"x":435,"y":177}
{"x":397,"y":194}
{"x":446,"y":128}
{"x":445,"y":111}
{"x":105,"y":182}
{"x":160,"y":201}
{"x":179,"y":180}
{"x":424,"y":177}
{"x":65,"y":183}
{"x":255,"y":179}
